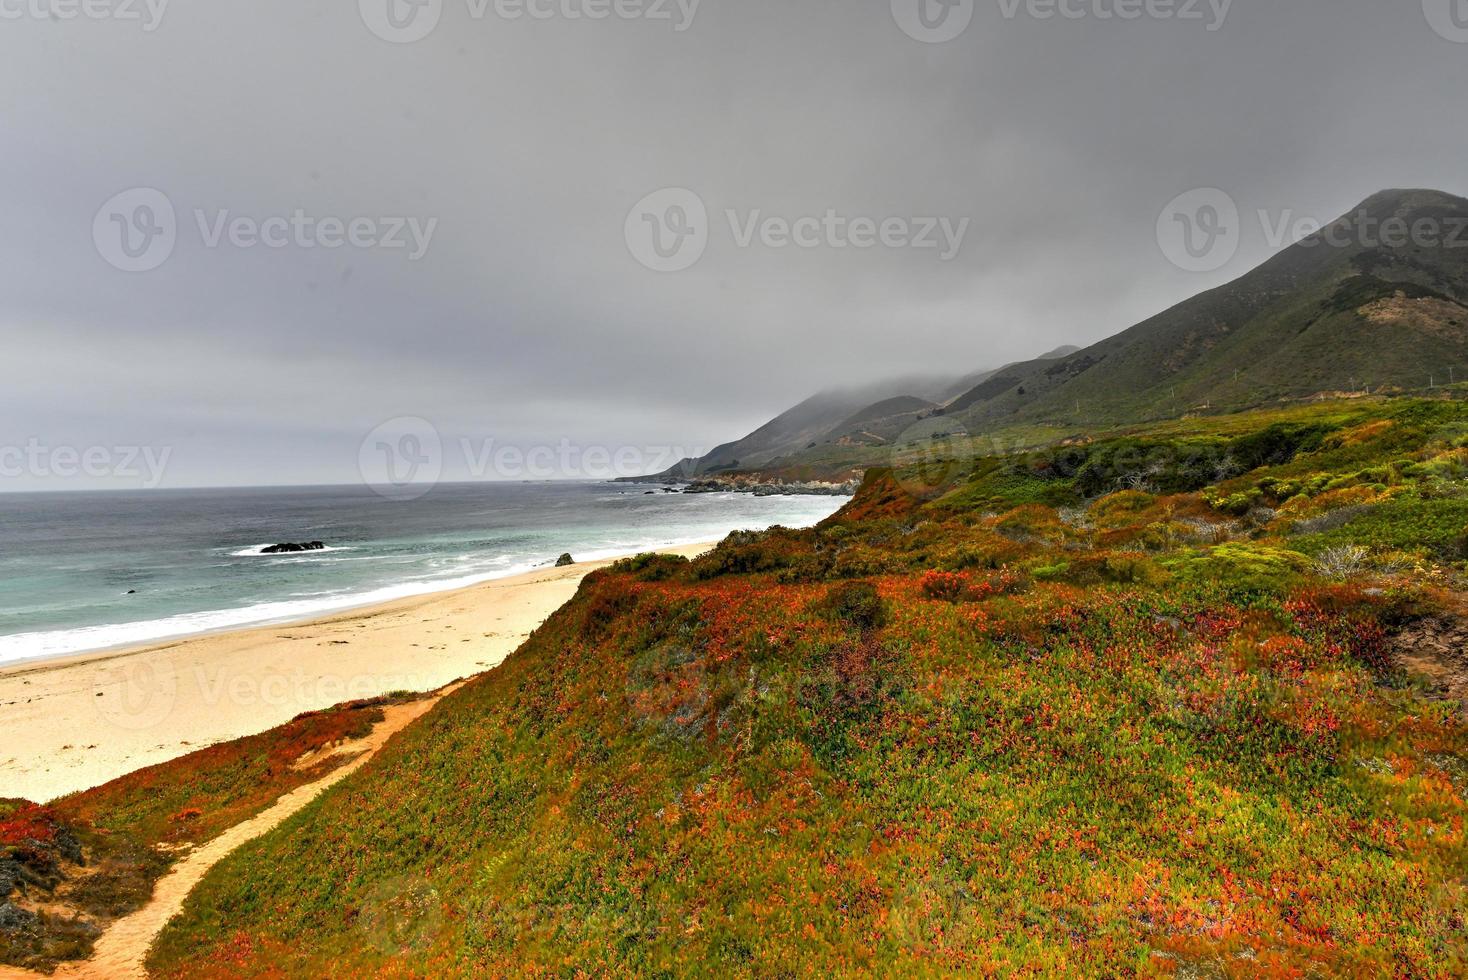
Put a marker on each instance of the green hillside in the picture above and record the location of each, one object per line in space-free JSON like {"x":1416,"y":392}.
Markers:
{"x":1127,"y":706}
{"x":1317,"y":318}
{"x":1351,"y":310}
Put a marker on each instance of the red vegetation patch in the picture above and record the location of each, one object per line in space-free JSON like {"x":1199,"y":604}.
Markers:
{"x":962,"y":587}
{"x":28,"y":823}
{"x":946,"y":586}
{"x":880,"y":497}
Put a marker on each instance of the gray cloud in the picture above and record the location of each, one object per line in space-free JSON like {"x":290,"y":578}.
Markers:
{"x":529,"y":320}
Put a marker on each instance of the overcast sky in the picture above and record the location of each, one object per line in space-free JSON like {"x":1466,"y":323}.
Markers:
{"x":519,"y":150}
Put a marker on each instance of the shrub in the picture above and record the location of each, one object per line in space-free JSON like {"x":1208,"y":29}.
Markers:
{"x":811,"y":567}
{"x":1209,"y":532}
{"x":1344,"y":561}
{"x":1448,"y":467}
{"x":1278,"y":444}
{"x":1240,"y":567}
{"x":651,"y":566}
{"x":1051,"y":573}
{"x":1237,"y":504}
{"x":1133,"y":570}
{"x":857,"y":604}
{"x":1121,"y":507}
{"x":1030,"y":522}
{"x":960,"y":587}
{"x":739,"y":557}
{"x":862,"y":563}
{"x":1331,"y":520}
{"x":945,"y":586}
{"x":1002,"y":582}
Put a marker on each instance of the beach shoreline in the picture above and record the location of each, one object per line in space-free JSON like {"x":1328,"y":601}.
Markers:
{"x":75,"y":722}
{"x":342,"y":606}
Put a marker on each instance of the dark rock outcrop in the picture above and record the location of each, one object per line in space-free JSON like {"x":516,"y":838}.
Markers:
{"x":565,"y":560}
{"x":772,"y":488}
{"x":14,"y":877}
{"x":293,"y":549}
{"x":14,"y":919}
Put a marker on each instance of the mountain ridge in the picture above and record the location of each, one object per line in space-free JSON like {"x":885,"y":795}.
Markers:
{"x":829,"y":417}
{"x":1354,"y":307}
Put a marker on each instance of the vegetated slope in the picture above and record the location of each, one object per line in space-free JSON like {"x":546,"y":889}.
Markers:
{"x":804,"y":427}
{"x":880,"y":424}
{"x":1353,"y":308}
{"x":968,"y":383}
{"x":1121,"y":707}
{"x":833,"y":432}
{"x":901,"y":405}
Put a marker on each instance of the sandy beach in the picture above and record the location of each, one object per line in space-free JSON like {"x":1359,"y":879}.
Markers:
{"x":71,"y":724}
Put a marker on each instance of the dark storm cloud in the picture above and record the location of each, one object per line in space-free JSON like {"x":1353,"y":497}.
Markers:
{"x":528,"y":319}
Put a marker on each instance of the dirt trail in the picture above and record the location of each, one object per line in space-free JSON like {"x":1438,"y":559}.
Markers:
{"x":120,"y":951}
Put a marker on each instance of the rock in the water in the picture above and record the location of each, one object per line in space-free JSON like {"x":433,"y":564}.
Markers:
{"x":565,"y":560}
{"x":292,"y":549}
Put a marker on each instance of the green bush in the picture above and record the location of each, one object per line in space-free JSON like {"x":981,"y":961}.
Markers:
{"x":1133,"y":570}
{"x":651,"y":567}
{"x":856,"y":604}
{"x":1051,"y":573}
{"x":1240,"y":567}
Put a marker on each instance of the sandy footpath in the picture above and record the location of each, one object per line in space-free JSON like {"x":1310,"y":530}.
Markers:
{"x":68,"y":725}
{"x":122,"y":948}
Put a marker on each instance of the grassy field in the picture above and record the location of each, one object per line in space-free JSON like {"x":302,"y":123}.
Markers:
{"x":1122,"y":707}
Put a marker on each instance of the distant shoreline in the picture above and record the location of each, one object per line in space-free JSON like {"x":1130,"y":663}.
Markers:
{"x":74,"y":722}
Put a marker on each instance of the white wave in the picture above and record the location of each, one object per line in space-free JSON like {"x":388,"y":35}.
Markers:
{"x":60,"y":643}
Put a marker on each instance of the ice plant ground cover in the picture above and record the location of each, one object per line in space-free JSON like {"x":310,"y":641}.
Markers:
{"x":1090,"y":709}
{"x":1118,"y":707}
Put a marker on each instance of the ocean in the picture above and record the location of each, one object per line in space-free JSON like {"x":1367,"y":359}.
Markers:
{"x":91,"y":571}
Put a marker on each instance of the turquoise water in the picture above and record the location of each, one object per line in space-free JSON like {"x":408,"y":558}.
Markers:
{"x":88,"y":571}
